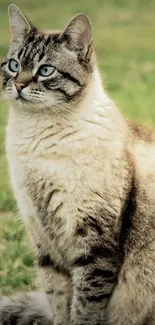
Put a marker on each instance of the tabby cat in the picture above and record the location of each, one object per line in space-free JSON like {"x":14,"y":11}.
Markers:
{"x":84,"y":181}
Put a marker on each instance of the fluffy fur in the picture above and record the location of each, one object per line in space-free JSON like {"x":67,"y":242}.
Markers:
{"x":31,"y":308}
{"x":83,"y":177}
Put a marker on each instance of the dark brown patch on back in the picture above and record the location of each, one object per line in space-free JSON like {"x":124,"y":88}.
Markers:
{"x":129,"y":207}
{"x":142,"y":132}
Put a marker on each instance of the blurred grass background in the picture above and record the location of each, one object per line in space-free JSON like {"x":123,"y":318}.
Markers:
{"x":124,"y":37}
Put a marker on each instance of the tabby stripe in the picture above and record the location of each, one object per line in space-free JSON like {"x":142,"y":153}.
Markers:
{"x":3,"y":63}
{"x":96,"y":251}
{"x":56,"y":209}
{"x":34,"y":54}
{"x":90,"y":288}
{"x":26,"y":51}
{"x":13,"y":318}
{"x":67,"y":75}
{"x":41,"y":56}
{"x":52,"y":83}
{"x":61,"y":91}
{"x":100,"y":250}
{"x":6,"y":78}
{"x":49,"y":196}
{"x":68,"y":97}
{"x":5,"y":81}
{"x":39,"y":47}
{"x":93,"y":223}
{"x":50,"y":292}
{"x":98,"y":298}
{"x":82,"y":301}
{"x":83,"y":260}
{"x":85,"y":289}
{"x":47,"y":41}
{"x":103,"y":273}
{"x":20,"y":53}
{"x":59,"y":293}
{"x":97,"y":284}
{"x":46,"y":261}
{"x":31,"y":38}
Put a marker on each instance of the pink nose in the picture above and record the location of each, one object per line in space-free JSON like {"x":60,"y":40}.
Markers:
{"x":19,"y":86}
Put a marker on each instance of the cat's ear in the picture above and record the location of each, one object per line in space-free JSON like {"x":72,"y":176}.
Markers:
{"x":78,"y":34}
{"x":19,"y":25}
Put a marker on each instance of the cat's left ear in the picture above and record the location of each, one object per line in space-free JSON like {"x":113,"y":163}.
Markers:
{"x":19,"y":25}
{"x":78,"y":35}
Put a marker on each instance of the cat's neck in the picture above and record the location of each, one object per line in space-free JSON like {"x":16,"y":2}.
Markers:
{"x":96,"y":104}
{"x":95,"y":96}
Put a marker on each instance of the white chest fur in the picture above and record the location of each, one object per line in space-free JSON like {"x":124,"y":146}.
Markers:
{"x":67,"y":153}
{"x":76,"y":159}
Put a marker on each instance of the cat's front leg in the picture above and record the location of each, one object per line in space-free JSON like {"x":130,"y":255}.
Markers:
{"x":56,"y":282}
{"x":58,"y":290}
{"x":93,"y":282}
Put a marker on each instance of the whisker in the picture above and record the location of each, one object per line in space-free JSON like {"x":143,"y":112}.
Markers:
{"x":59,"y":113}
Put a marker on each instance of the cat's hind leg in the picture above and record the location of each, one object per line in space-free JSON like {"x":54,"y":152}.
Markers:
{"x":58,"y":290}
{"x":132,"y":301}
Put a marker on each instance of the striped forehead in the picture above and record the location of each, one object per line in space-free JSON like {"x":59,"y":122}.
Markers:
{"x":34,"y":49}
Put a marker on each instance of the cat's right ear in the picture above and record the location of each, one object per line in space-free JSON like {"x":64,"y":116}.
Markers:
{"x":78,"y":35}
{"x":19,"y":25}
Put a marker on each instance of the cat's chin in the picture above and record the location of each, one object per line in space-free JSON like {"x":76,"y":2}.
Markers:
{"x":28,"y":105}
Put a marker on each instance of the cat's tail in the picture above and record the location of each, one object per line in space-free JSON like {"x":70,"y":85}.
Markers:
{"x":29,"y":309}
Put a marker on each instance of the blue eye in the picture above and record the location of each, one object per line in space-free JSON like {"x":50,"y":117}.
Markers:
{"x":13,"y":65}
{"x":46,"y":70}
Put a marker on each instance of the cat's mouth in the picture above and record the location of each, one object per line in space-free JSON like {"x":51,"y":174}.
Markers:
{"x":20,"y":97}
{"x":23,"y":99}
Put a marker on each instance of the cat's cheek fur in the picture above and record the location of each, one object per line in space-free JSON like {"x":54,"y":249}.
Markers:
{"x":14,"y":92}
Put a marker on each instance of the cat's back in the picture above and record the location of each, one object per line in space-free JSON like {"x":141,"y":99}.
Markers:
{"x":143,"y":159}
{"x":142,"y":132}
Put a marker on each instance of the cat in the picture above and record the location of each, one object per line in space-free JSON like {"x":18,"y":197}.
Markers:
{"x":84,"y":181}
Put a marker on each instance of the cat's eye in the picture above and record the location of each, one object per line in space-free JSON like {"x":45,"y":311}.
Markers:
{"x":46,"y":70}
{"x":13,"y":65}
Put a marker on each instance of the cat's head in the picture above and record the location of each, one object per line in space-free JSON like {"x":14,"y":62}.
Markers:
{"x":47,"y":69}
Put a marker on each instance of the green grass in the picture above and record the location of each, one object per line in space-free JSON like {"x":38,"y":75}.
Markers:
{"x":16,"y":260}
{"x":124,"y":37}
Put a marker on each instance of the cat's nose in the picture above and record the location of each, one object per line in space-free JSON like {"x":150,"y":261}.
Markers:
{"x":19,"y":86}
